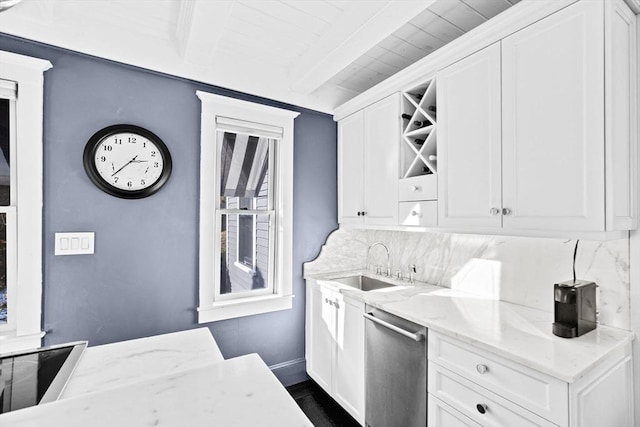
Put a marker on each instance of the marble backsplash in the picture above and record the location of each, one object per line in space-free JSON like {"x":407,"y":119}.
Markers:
{"x":514,"y":269}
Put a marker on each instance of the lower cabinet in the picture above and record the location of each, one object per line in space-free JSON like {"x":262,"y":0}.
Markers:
{"x":334,"y":345}
{"x":469,"y":386}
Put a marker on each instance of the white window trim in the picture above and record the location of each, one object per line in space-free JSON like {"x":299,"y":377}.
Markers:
{"x":24,"y":328}
{"x":216,"y":108}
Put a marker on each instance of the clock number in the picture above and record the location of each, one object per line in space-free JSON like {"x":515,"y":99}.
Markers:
{"x":129,"y":184}
{"x":117,"y":141}
{"x":142,"y":182}
{"x":108,"y":148}
{"x":103,"y":159}
{"x":116,"y":178}
{"x":156,"y":164}
{"x":132,"y":139}
{"x":153,"y":154}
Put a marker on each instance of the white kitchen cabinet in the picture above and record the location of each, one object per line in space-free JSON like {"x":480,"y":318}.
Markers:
{"x":532,"y":129}
{"x":334,"y":345}
{"x":493,"y":391}
{"x":368,"y":164}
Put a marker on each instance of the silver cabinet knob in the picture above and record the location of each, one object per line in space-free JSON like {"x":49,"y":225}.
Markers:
{"x":494,"y":211}
{"x":414,"y":213}
{"x":336,"y":305}
{"x":482,"y":408}
{"x":506,"y":211}
{"x":415,"y":188}
{"x":482,"y":369}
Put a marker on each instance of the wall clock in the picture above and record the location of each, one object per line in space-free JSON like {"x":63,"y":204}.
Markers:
{"x":127,"y":161}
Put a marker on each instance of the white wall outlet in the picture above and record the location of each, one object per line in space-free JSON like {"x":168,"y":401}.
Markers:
{"x":75,"y":243}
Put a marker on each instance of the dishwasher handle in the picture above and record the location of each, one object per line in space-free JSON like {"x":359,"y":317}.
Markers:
{"x":414,"y":336}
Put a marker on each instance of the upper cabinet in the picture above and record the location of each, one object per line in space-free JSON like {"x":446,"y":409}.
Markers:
{"x":537,"y":130}
{"x":532,"y":129}
{"x":368,"y":164}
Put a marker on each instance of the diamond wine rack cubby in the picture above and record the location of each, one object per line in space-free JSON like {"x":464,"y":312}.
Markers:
{"x":419,"y":135}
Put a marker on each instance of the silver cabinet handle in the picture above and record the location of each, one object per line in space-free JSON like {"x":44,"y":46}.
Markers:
{"x":482,"y":408}
{"x":336,"y":305}
{"x":414,"y":336}
{"x":494,"y":211}
{"x":328,"y":301}
{"x":482,"y":369}
{"x":506,"y":211}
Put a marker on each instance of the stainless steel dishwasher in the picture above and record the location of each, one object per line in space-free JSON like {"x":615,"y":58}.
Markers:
{"x":396,"y":371}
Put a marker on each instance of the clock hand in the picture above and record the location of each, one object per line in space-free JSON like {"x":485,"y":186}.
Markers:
{"x":125,"y":165}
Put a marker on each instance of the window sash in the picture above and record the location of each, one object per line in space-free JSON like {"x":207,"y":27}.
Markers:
{"x":270,"y":288}
{"x":12,"y":268}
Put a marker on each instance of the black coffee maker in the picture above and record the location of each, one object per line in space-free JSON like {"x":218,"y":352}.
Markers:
{"x":574,"y":308}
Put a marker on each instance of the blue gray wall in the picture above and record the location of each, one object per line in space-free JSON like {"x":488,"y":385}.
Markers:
{"x":143,"y":278}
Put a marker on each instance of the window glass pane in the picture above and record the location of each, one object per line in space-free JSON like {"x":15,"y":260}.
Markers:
{"x":3,"y":268}
{"x":4,"y":153}
{"x":245,"y":259}
{"x":244,"y":171}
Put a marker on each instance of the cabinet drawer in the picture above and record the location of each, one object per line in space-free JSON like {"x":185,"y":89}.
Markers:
{"x":477,"y":403}
{"x":423,"y":187}
{"x":533,"y":390}
{"x":423,"y":214}
{"x":440,"y":414}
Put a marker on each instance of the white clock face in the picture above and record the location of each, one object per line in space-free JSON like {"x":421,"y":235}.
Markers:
{"x":128,"y":161}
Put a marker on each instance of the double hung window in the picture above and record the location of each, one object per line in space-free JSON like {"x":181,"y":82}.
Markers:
{"x":246,"y":192}
{"x":21,"y":109}
{"x":7,"y":202}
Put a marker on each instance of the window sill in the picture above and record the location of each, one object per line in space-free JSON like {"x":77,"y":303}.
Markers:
{"x":244,"y":307}
{"x":9,"y":342}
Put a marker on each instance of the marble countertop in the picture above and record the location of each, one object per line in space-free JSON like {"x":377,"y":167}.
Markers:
{"x":519,"y":333}
{"x":166,"y":380}
{"x":113,"y":365}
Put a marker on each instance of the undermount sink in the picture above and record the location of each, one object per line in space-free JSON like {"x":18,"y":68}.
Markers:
{"x":363,"y":283}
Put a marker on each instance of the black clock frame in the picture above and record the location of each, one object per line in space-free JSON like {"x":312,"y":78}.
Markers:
{"x":90,"y":166}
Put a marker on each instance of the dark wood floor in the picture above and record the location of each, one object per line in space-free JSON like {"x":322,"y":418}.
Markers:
{"x":321,"y":409}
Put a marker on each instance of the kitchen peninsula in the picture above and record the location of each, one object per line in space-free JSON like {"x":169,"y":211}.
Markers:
{"x":172,"y":379}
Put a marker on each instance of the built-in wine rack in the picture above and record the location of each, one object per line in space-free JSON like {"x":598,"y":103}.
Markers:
{"x":419,"y":117}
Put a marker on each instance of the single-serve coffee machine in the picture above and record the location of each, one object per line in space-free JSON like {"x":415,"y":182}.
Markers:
{"x":574,"y":308}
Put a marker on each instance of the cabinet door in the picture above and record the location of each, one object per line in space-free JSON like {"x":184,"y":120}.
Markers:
{"x":348,"y":378}
{"x":351,"y":168}
{"x":553,"y":128}
{"x":381,"y":157}
{"x":320,"y":324}
{"x":469,"y":171}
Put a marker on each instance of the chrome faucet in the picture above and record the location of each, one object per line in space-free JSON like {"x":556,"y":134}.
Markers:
{"x":378,"y":267}
{"x":412,"y":272}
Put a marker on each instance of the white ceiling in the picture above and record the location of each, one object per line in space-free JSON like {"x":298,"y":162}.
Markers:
{"x":312,"y":53}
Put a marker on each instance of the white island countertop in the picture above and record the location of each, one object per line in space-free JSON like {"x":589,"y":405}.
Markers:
{"x":177,"y":379}
{"x":513,"y":331}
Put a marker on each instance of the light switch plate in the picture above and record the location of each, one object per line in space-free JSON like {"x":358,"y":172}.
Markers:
{"x":75,"y":243}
